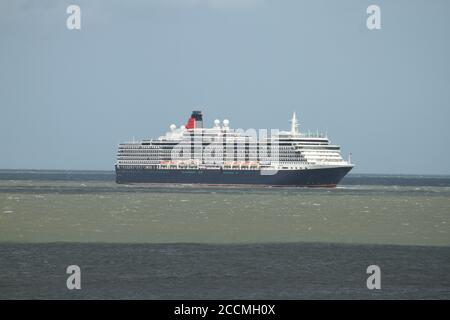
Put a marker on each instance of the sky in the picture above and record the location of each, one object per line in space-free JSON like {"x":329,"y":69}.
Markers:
{"x":68,"y":97}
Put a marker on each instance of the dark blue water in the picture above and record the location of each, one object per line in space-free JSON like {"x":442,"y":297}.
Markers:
{"x":200,"y":271}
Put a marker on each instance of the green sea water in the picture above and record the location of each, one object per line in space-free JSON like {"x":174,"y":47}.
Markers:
{"x":204,"y":242}
{"x":102,"y":211}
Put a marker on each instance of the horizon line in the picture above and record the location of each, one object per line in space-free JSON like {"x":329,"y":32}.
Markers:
{"x":349,"y":174}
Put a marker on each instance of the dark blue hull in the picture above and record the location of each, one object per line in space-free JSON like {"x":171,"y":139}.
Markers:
{"x":326,"y":177}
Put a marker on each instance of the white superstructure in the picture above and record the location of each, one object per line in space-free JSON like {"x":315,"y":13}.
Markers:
{"x":193,"y":146}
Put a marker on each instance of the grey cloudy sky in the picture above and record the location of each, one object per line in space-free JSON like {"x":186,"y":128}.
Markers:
{"x":68,"y":97}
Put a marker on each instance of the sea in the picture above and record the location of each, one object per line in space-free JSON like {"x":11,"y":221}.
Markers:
{"x":222,"y":242}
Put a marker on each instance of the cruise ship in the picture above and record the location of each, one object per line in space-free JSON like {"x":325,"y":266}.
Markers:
{"x":219,"y":155}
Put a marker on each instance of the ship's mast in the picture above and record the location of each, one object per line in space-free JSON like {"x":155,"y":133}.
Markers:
{"x":294,"y":124}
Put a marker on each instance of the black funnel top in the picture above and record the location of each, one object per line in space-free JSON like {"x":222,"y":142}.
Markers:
{"x":197,"y":115}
